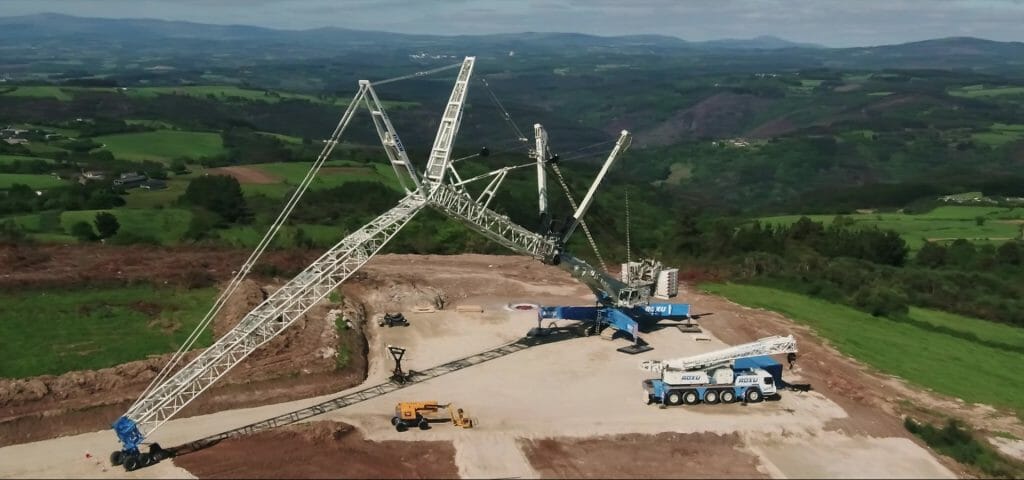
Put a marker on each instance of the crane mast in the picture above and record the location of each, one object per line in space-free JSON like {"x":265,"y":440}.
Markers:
{"x":540,"y":152}
{"x":440,"y":154}
{"x":588,"y":200}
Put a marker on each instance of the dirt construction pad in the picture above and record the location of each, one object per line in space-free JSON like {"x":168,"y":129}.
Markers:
{"x":565,"y":409}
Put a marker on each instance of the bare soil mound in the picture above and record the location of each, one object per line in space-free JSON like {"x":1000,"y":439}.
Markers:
{"x":89,"y":265}
{"x":692,"y":455}
{"x":321,"y":450}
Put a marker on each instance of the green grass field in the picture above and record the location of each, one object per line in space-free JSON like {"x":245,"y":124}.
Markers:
{"x":49,"y":332}
{"x":1000,"y":134}
{"x":151,"y":124}
{"x":942,"y":223}
{"x":41,"y":91}
{"x":162,"y":145}
{"x":963,"y":357}
{"x":227,"y":92}
{"x":39,"y":182}
{"x":677,"y":173}
{"x":333,"y":174}
{"x":247,"y":236}
{"x":167,"y":224}
{"x":284,"y":138}
{"x":975,"y":91}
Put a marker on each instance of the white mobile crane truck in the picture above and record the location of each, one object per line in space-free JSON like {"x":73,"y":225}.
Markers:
{"x":743,"y":372}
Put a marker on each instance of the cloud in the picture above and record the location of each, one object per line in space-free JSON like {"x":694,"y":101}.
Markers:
{"x":829,"y":22}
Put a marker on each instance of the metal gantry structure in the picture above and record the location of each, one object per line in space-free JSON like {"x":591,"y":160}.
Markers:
{"x":439,"y":187}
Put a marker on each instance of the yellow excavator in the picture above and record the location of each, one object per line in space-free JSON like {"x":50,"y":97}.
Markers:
{"x":422,"y":414}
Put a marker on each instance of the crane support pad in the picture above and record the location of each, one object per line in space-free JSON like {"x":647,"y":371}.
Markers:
{"x":373,"y":392}
{"x":635,"y":348}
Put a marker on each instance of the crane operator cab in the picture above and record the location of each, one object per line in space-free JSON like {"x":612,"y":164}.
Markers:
{"x":629,"y":296}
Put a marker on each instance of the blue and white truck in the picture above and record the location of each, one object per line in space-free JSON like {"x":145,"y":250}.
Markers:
{"x":740,"y":373}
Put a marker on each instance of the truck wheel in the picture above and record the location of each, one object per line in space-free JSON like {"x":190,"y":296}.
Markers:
{"x":131,"y":463}
{"x":711,"y":397}
{"x":690,"y":397}
{"x":116,"y":458}
{"x":401,"y":427}
{"x":647,"y":398}
{"x":728,"y":396}
{"x":754,"y":395}
{"x":424,"y":424}
{"x":394,"y":421}
{"x":674,"y":398}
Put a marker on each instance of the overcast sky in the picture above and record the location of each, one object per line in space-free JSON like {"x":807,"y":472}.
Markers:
{"x":827,"y":22}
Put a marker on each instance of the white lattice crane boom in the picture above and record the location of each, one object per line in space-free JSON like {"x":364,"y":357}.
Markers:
{"x":765,"y":346}
{"x":393,"y":147}
{"x":171,"y":393}
{"x":440,"y":154}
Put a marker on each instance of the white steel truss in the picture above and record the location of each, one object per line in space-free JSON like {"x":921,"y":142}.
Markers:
{"x":165,"y":399}
{"x":393,"y":147}
{"x":491,"y":224}
{"x":272,"y":316}
{"x":168,"y":395}
{"x":440,"y":154}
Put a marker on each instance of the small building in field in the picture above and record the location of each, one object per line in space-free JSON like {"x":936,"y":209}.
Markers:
{"x":153,"y":184}
{"x":130,"y":180}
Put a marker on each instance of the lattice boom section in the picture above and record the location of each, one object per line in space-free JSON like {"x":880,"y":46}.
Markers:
{"x":491,"y":224}
{"x":441,"y":152}
{"x":272,"y":316}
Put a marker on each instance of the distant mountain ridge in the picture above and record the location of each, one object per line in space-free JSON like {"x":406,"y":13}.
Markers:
{"x":58,"y":25}
{"x":25,"y":36}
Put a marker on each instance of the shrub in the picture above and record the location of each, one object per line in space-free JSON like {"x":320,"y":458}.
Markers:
{"x":956,"y":440}
{"x":83,"y":232}
{"x":106,"y":224}
{"x":880,"y":301}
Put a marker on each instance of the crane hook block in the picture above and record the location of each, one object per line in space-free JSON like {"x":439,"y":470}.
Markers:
{"x":485,"y":152}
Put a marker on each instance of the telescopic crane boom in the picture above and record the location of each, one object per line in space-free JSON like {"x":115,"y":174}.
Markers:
{"x":765,"y":346}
